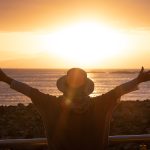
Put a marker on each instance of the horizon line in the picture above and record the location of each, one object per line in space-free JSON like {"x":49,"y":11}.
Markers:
{"x":68,"y":68}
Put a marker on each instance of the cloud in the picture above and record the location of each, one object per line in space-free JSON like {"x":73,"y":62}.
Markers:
{"x":40,"y":60}
{"x":28,"y":15}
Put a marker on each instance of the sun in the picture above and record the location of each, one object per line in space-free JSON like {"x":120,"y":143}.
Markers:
{"x":85,"y":43}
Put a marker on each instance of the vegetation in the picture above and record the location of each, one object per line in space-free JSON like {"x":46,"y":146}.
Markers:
{"x":130,"y":117}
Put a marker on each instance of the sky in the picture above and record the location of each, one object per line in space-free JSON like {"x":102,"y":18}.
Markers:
{"x":74,"y":33}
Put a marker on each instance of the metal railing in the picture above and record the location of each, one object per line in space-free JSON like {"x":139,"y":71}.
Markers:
{"x":42,"y":142}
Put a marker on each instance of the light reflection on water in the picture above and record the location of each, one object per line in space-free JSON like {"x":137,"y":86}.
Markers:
{"x":45,"y":81}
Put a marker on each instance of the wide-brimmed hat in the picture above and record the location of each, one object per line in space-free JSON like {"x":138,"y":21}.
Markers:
{"x":88,"y":85}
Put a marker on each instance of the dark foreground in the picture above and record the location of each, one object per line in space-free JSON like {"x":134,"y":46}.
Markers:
{"x":130,"y":117}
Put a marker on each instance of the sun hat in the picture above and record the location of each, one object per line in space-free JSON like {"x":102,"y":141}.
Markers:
{"x":75,"y":76}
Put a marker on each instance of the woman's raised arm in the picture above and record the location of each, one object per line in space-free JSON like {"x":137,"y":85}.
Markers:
{"x":132,"y":85}
{"x":16,"y":85}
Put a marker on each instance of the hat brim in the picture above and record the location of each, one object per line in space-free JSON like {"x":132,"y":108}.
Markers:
{"x":62,"y":86}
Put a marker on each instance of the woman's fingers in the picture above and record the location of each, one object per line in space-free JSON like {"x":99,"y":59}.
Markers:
{"x":142,"y":70}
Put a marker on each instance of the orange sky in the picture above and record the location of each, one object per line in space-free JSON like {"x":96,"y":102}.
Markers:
{"x":27,"y":26}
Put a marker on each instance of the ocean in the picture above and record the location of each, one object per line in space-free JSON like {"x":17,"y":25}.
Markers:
{"x":45,"y":81}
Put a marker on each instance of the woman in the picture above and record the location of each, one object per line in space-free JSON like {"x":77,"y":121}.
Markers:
{"x":76,"y":121}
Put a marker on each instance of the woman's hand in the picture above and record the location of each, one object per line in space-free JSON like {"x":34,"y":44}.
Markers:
{"x":143,"y":76}
{"x":3,"y":76}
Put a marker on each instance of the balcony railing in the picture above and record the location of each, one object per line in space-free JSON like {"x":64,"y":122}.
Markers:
{"x":21,"y":144}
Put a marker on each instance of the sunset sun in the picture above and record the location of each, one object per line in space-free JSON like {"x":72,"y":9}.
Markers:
{"x":85,"y":43}
{"x":63,"y":34}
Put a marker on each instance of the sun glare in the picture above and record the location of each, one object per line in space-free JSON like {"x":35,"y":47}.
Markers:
{"x":85,"y":43}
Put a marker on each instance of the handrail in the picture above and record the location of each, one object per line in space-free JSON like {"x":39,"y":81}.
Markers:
{"x":5,"y":143}
{"x":130,"y":138}
{"x":37,"y":142}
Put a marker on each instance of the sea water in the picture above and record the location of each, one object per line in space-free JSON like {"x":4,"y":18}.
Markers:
{"x":45,"y":81}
